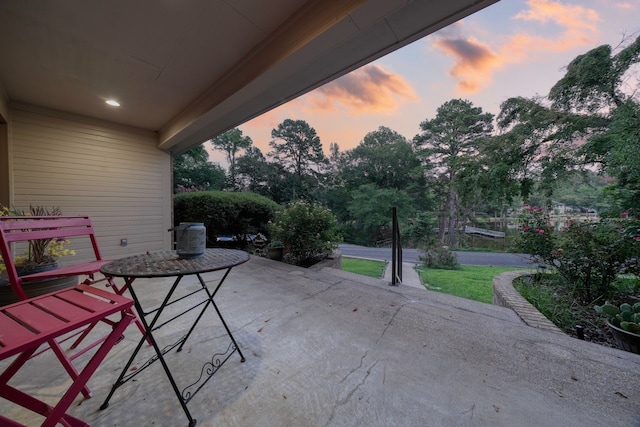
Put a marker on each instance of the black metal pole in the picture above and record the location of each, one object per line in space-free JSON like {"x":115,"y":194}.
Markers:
{"x":394,"y":245}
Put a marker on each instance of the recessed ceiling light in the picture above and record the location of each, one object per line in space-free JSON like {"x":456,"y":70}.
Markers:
{"x":113,"y":102}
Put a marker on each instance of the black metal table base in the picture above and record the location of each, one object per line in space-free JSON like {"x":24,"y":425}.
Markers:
{"x":208,"y":369}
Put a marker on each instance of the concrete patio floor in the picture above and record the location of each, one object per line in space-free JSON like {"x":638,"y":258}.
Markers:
{"x":339,"y":349}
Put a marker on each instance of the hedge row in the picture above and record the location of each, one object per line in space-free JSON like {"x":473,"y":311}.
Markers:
{"x":225,"y":213}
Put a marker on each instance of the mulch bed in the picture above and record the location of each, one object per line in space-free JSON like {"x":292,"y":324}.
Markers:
{"x":593,"y":330}
{"x":593,"y":326}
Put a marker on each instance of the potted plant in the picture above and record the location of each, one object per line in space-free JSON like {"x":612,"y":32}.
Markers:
{"x":275,"y":250}
{"x":39,"y":255}
{"x":624,"y":323}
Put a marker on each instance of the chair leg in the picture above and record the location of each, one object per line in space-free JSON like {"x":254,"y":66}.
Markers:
{"x":121,"y":290}
{"x":29,"y":402}
{"x":93,"y":364}
{"x":82,"y":336}
{"x":71,"y":370}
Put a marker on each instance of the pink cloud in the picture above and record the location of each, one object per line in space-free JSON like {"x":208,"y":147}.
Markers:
{"x":625,"y":5}
{"x":476,"y":62}
{"x":566,"y":15}
{"x":366,"y":90}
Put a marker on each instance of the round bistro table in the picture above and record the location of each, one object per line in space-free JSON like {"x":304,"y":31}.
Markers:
{"x":168,"y":264}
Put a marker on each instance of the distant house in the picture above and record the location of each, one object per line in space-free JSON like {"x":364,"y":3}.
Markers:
{"x":562,"y":209}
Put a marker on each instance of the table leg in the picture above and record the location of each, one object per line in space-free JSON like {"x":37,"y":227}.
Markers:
{"x":149,"y":336}
{"x":120,"y":291}
{"x":186,"y":394}
{"x":211,"y":296}
{"x":242,"y":359}
{"x":218,"y":359}
{"x":120,"y":381}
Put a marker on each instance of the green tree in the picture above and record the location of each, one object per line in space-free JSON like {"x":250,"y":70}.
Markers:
{"x":231,"y":142}
{"x":591,"y":116}
{"x":516,"y":158}
{"x":448,"y":143}
{"x":594,"y":82}
{"x":616,"y":150}
{"x":370,"y":212}
{"x":596,"y":85}
{"x":337,"y":194}
{"x":386,"y":159}
{"x":333,"y":166}
{"x":193,"y":171}
{"x":297,"y":148}
{"x":583,"y":191}
{"x":251,"y":169}
{"x":268,"y":179}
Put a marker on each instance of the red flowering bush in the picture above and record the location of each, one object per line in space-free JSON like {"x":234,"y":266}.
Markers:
{"x":588,"y":255}
{"x":537,"y":234}
{"x":591,"y":255}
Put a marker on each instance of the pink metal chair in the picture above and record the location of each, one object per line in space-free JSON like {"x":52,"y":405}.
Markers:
{"x":15,"y":229}
{"x":26,"y":325}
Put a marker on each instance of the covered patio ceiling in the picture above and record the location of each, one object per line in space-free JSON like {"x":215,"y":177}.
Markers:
{"x":192,"y":69}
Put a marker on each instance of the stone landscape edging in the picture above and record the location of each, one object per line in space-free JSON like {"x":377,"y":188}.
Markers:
{"x":505,"y":295}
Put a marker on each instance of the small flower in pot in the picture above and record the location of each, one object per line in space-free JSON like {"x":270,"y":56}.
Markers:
{"x":40,"y":252}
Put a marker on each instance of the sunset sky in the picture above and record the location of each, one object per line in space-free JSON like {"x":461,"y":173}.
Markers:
{"x":512,"y":48}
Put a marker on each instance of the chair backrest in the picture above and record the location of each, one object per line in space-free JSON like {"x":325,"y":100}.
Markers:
{"x":24,"y":228}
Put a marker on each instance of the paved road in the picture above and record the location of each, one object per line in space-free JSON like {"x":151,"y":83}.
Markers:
{"x":465,"y":258}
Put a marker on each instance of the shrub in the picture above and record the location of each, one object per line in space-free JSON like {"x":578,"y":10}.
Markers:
{"x":420,"y":230}
{"x":307,"y":230}
{"x":225,"y":213}
{"x":591,"y":255}
{"x":441,"y":257}
{"x":588,"y":255}
{"x":537,"y":235}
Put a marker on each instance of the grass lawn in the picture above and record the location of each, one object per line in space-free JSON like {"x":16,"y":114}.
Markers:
{"x":471,"y":282}
{"x":364,"y":266}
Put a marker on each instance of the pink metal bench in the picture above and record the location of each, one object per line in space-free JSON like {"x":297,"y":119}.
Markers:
{"x":15,"y":229}
{"x":26,"y":325}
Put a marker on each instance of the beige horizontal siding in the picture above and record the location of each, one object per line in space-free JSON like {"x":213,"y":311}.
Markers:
{"x":112,"y":173}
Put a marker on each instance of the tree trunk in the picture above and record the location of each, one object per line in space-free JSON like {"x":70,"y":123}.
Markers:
{"x":467,"y":214}
{"x":441,"y":226}
{"x":452,"y":203}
